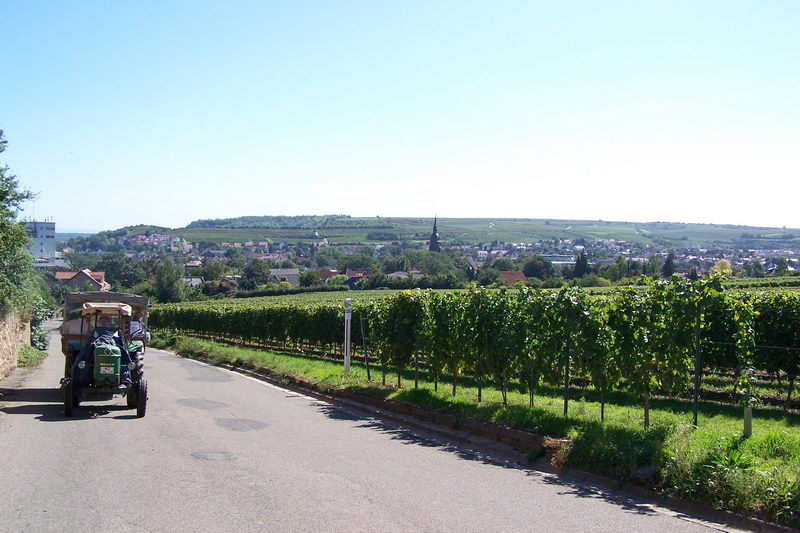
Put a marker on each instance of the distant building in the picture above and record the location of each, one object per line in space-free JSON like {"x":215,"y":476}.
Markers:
{"x":193,"y":281}
{"x":43,"y":237}
{"x":512,"y":276}
{"x":433,"y":245}
{"x":83,"y":278}
{"x":290,"y":275}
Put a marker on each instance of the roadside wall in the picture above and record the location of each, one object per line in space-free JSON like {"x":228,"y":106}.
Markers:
{"x":13,"y":333}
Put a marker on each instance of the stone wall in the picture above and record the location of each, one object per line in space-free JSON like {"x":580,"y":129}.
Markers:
{"x":13,"y":332}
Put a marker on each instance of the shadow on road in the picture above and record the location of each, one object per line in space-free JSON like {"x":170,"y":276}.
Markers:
{"x":30,"y":395}
{"x":47,"y":405}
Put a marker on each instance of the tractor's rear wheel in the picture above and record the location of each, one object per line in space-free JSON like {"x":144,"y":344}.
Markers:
{"x":141,"y":398}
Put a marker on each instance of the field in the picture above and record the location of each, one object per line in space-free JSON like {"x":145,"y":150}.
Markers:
{"x":474,"y":230}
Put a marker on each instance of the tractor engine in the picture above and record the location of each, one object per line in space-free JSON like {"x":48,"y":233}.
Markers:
{"x":107,"y":358}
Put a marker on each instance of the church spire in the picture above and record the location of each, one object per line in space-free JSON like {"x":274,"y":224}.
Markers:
{"x":433,"y":245}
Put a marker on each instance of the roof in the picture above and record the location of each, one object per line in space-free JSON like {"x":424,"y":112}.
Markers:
{"x":65,"y":276}
{"x":325,"y":274}
{"x":512,"y":276}
{"x":105,"y":308}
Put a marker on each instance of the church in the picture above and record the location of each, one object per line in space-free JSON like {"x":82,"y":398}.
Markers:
{"x":433,"y":245}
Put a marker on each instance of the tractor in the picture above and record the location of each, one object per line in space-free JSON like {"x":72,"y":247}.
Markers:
{"x":103,"y":338}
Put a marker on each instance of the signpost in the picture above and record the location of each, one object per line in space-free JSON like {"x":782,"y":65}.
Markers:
{"x":348,"y":314}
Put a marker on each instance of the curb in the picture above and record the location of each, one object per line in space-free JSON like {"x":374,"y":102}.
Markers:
{"x":507,"y":444}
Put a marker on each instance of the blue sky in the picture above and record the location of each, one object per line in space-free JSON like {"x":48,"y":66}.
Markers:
{"x":174,"y":111}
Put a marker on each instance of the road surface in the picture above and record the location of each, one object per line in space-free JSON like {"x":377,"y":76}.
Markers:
{"x":219,"y":451}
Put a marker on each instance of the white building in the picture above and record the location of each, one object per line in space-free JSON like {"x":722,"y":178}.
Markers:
{"x":43,"y":244}
{"x":43,"y":237}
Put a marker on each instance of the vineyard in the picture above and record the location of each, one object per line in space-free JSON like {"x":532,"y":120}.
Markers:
{"x":567,"y":364}
{"x":645,"y":341}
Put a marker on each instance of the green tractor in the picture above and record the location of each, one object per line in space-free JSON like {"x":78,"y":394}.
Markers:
{"x":104,"y":337}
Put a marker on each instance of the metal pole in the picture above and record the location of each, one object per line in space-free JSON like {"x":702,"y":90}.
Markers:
{"x":348,"y":313}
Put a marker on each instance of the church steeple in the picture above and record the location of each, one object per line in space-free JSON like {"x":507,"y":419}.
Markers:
{"x":433,"y":245}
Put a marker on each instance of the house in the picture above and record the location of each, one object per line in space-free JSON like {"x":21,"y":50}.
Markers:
{"x":358,"y":273}
{"x":326,"y":274}
{"x":193,"y":281}
{"x":512,"y":276}
{"x":82,"y":278}
{"x":291,"y":275}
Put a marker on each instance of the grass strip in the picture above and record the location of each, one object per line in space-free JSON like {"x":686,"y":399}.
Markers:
{"x":29,"y":357}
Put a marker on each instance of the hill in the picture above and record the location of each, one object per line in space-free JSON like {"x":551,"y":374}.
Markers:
{"x":375,"y":230}
{"x":345,"y":229}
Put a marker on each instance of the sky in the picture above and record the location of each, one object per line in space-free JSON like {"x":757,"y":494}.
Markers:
{"x":164,"y":112}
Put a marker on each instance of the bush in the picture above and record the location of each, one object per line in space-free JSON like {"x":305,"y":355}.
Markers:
{"x":591,"y":280}
{"x":29,"y":356}
{"x":553,"y":283}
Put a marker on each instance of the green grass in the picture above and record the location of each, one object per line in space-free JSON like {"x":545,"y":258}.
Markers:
{"x":29,"y":356}
{"x":756,"y":476}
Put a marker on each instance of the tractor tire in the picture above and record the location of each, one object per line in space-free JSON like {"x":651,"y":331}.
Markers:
{"x":68,"y":360}
{"x":141,"y":399}
{"x":69,"y":399}
{"x":131,"y":398}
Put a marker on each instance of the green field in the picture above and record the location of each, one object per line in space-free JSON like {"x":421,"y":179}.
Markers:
{"x":516,"y":230}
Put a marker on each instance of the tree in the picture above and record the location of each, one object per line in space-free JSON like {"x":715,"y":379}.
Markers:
{"x":581,"y":266}
{"x":487,"y":276}
{"x":538,"y":267}
{"x":309,"y":278}
{"x":255,"y":273}
{"x":16,"y":264}
{"x":358,"y":261}
{"x":121,"y":270}
{"x":169,"y":284}
{"x":723,"y":266}
{"x":233,"y":253}
{"x":781,"y":266}
{"x":503,"y":264}
{"x":668,"y":268}
{"x":213,"y":269}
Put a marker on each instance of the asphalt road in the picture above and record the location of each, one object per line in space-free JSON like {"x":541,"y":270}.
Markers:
{"x":218,"y":451}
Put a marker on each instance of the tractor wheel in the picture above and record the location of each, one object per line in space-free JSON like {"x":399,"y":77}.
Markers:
{"x":68,"y":360}
{"x":69,"y":399}
{"x":131,"y":398}
{"x":141,"y":399}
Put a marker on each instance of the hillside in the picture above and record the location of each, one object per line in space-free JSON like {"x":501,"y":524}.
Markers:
{"x":345,"y":229}
{"x":339,"y":229}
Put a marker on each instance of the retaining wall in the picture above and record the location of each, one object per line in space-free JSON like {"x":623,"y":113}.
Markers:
{"x":14,"y":331}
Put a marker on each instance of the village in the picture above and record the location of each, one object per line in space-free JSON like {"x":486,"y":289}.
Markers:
{"x":435,"y":263}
